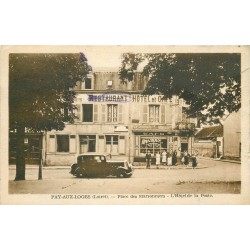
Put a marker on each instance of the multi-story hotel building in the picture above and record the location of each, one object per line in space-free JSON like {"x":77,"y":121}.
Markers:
{"x":117,"y":118}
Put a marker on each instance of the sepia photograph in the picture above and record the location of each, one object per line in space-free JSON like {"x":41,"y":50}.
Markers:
{"x":125,"y":125}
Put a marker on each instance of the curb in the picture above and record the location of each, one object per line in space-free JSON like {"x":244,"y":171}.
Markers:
{"x":134,"y":167}
{"x":44,"y":167}
{"x":218,"y":159}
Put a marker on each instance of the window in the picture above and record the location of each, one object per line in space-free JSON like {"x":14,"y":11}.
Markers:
{"x":112,"y":139}
{"x":153,"y":144}
{"x":66,"y":113}
{"x":112,"y":112}
{"x":87,"y":143}
{"x":88,"y":83}
{"x":87,"y":115}
{"x":62,"y":143}
{"x":154,"y":113}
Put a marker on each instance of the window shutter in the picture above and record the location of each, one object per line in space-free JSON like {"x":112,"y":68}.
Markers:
{"x":101,"y":143}
{"x":103,"y":113}
{"x":168,"y":114}
{"x":163,"y":114}
{"x":120,"y":113}
{"x":72,"y":144}
{"x":78,"y":112}
{"x":52,"y":144}
{"x":122,"y":145}
{"x":145,"y":114}
{"x":137,"y":145}
{"x":95,"y":112}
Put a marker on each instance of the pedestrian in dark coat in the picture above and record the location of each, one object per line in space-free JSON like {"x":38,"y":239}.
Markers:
{"x":174,"y":158}
{"x":148,"y":159}
{"x":194,"y":160}
{"x":186,"y":158}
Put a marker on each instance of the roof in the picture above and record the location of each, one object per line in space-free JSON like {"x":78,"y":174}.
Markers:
{"x":105,"y":69}
{"x":210,"y":132}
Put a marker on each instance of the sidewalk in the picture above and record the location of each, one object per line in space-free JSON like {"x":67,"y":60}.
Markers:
{"x":44,"y":167}
{"x":140,"y":165}
{"x":222,"y":160}
{"x":168,"y":167}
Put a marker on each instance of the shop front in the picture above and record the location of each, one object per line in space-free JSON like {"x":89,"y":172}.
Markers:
{"x":155,"y":139}
{"x":154,"y":142}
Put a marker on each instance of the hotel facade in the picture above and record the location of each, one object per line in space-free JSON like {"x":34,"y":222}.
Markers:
{"x":117,"y":119}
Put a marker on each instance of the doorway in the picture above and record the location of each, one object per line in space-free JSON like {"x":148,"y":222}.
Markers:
{"x":112,"y":144}
{"x":184,"y":147}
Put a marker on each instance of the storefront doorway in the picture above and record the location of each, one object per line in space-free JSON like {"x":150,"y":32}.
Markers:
{"x":184,"y":147}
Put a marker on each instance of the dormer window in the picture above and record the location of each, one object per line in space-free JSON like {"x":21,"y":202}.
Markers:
{"x":88,"y":83}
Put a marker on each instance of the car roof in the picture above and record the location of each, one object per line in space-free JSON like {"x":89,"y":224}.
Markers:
{"x":93,"y":154}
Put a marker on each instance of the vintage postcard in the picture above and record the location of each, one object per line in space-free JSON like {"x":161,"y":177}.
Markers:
{"x":125,"y":125}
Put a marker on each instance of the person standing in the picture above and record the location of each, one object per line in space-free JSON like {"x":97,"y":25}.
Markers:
{"x":148,"y":159}
{"x":174,"y":158}
{"x":186,"y":158}
{"x":194,"y":160}
{"x":164,"y":157}
{"x":170,"y":158}
{"x":158,"y":160}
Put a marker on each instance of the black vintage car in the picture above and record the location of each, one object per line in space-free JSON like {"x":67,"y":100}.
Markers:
{"x":97,"y":165}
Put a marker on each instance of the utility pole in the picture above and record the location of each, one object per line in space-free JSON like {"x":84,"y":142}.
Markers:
{"x":40,"y":176}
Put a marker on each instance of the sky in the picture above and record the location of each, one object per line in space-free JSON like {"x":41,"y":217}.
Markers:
{"x":99,"y":57}
{"x":110,"y":56}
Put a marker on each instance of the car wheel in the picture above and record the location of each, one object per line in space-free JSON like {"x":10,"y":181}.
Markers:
{"x":80,"y":173}
{"x":120,"y":174}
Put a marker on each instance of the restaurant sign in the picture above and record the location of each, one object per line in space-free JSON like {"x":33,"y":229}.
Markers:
{"x":107,"y":97}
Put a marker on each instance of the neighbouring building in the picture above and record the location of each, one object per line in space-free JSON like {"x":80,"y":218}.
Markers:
{"x":209,"y":141}
{"x":33,"y":147}
{"x":232,"y":136}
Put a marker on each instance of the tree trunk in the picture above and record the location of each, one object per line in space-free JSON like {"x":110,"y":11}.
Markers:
{"x":20,"y":155}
